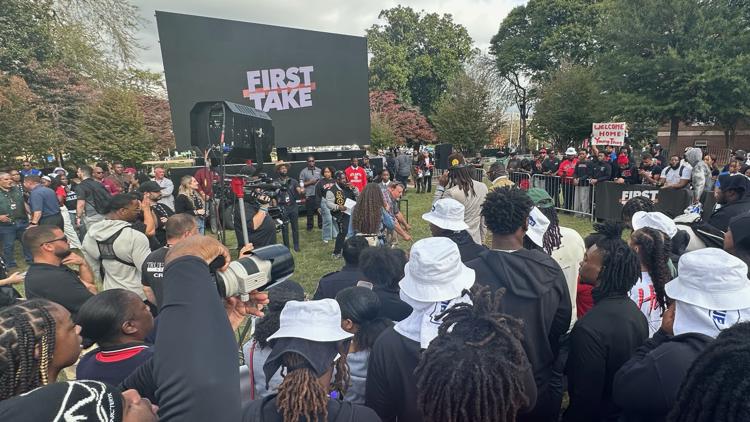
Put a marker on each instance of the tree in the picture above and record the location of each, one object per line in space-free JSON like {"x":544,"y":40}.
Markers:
{"x":647,"y":63}
{"x":157,"y":118}
{"x":112,"y":129}
{"x":381,"y":132}
{"x":25,"y":34}
{"x":407,"y":124}
{"x":22,"y":133}
{"x":464,"y":116}
{"x":535,"y":40}
{"x":416,"y":55}
{"x":567,"y":106}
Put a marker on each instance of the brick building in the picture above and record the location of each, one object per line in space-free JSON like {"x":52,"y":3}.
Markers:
{"x":710,"y":138}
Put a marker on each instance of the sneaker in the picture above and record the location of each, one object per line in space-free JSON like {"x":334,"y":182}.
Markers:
{"x":325,"y":241}
{"x":336,"y":255}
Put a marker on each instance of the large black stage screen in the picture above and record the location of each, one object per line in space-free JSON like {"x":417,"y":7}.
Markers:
{"x":312,"y":84}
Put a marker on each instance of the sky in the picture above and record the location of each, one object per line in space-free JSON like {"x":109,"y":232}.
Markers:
{"x":351,"y":17}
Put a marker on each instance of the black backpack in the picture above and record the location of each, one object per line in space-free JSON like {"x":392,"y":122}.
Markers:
{"x":99,"y":198}
{"x":107,"y":251}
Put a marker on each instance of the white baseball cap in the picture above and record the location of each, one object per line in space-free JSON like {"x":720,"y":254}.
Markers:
{"x":538,"y":225}
{"x":655,"y":220}
{"x":711,"y":278}
{"x":570,"y":151}
{"x":435,"y":272}
{"x":315,"y":320}
{"x":448,"y":214}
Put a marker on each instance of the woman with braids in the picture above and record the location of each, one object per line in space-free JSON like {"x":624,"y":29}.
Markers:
{"x":476,"y":368}
{"x":608,"y":335}
{"x":457,"y":183}
{"x":360,"y":308}
{"x":716,"y":388}
{"x":305,"y":346}
{"x":706,"y":303}
{"x":535,"y":292}
{"x":652,"y":247}
{"x":38,"y":339}
{"x":256,"y":350}
{"x":370,"y":217}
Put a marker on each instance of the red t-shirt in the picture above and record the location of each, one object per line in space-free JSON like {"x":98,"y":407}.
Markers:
{"x":356,"y":177}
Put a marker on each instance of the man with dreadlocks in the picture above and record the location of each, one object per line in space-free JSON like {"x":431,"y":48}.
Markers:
{"x":705,"y":303}
{"x":476,"y":368}
{"x":608,"y":335}
{"x":458,"y":184}
{"x":536,"y":292}
{"x":716,"y":388}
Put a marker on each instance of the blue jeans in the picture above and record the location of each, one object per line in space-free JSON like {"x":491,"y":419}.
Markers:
{"x":11,"y":233}
{"x":329,"y":229}
{"x":201,"y":223}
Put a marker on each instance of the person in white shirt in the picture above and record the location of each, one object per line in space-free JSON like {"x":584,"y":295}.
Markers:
{"x":677,"y":174}
{"x":167,"y":188}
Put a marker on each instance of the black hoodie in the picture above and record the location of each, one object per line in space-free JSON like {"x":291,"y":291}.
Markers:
{"x":536,"y":293}
{"x":467,"y":247}
{"x":646,"y":386}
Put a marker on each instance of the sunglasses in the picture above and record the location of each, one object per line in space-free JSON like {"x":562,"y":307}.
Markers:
{"x":65,"y":239}
{"x":98,"y":172}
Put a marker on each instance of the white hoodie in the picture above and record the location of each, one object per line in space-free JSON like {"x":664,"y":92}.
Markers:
{"x":130,"y":246}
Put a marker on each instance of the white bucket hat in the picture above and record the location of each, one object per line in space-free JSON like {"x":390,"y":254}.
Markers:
{"x":654,"y":220}
{"x":315,"y":320}
{"x":538,"y":225}
{"x":448,"y":214}
{"x":711,"y":278}
{"x":435,"y":272}
{"x":570,"y":151}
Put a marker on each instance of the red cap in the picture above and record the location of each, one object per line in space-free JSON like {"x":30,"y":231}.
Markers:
{"x":543,"y":150}
{"x":622,"y":159}
{"x":238,"y":185}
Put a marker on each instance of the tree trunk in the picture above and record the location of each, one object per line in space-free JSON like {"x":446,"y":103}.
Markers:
{"x":523,"y":146}
{"x":727,"y":141}
{"x":674,"y":124}
{"x":732,"y":136}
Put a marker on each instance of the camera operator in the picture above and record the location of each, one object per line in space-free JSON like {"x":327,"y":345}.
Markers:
{"x":286,"y":200}
{"x":261,"y":229}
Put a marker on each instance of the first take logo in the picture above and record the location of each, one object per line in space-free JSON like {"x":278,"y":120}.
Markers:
{"x":280,"y":89}
{"x":629,"y":194}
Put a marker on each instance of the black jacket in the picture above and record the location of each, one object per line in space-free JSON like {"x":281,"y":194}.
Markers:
{"x":601,"y":171}
{"x":334,"y":282}
{"x":265,"y":410}
{"x":646,"y":386}
{"x":191,"y":377}
{"x":600,"y":343}
{"x":391,"y":389}
{"x":391,"y":305}
{"x":630,"y":175}
{"x":468,"y":248}
{"x":720,"y":218}
{"x":536,"y":292}
{"x":583,"y":172}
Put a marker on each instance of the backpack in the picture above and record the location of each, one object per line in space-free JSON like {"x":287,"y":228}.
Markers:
{"x":107,"y":251}
{"x":99,"y":198}
{"x":682,"y":168}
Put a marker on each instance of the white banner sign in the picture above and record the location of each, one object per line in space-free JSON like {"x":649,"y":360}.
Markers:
{"x":608,"y":134}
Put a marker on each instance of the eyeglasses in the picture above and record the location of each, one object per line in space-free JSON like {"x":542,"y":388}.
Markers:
{"x":65,"y":239}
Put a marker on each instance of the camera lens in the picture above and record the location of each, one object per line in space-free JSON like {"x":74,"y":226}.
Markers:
{"x":259,"y":270}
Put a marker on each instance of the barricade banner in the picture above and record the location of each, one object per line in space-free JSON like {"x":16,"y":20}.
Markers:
{"x":610,"y":197}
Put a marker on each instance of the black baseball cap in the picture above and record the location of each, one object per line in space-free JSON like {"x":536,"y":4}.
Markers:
{"x":149,"y":186}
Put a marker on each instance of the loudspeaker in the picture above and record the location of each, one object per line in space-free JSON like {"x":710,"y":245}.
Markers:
{"x":282,"y":153}
{"x":246,"y":133}
{"x":442,"y":151}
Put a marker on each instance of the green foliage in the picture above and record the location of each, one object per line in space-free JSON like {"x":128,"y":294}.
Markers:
{"x":567,"y":106}
{"x":381,"y":132}
{"x":416,"y":55}
{"x":464,"y":116}
{"x":113,"y":129}
{"x":21,"y":132}
{"x":26,"y":35}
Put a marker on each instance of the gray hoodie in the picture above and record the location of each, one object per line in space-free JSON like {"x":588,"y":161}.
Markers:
{"x":130,"y":246}
{"x":701,"y":175}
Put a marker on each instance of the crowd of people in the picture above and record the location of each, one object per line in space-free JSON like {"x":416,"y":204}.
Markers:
{"x":500,"y":315}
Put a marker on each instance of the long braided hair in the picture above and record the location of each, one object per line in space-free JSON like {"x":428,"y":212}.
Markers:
{"x":367,"y":217}
{"x":552,"y":237}
{"x":717,"y":385}
{"x":461,"y":177}
{"x":655,"y":248}
{"x":620,"y":267}
{"x":301,"y":395}
{"x":473,"y":370}
{"x":24,"y":328}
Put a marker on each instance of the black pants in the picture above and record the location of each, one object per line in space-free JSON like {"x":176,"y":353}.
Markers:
{"x":404,"y":180}
{"x":569,"y":195}
{"x":53,"y":220}
{"x":292,"y":219}
{"x":342,"y":222}
{"x":427,"y":182}
{"x":552,"y":186}
{"x":311,"y":210}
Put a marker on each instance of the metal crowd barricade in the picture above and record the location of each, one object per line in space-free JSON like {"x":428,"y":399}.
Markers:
{"x":521,"y":179}
{"x":567,"y":195}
